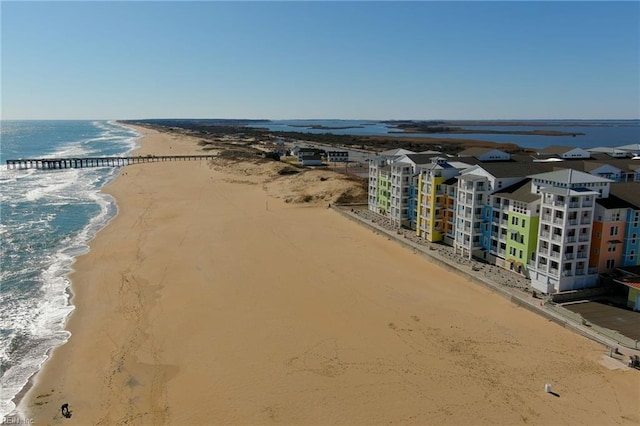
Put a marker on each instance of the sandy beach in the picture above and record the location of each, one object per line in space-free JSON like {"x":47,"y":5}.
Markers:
{"x":210,"y":299}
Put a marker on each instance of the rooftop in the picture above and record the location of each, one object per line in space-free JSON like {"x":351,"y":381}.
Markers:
{"x":570,"y":176}
{"x":520,"y":191}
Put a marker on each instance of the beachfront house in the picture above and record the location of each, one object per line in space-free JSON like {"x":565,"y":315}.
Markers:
{"x":485,"y":154}
{"x":338,"y":156}
{"x":565,"y":152}
{"x":310,"y":159}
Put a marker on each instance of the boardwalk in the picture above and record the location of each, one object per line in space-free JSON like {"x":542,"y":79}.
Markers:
{"x":78,"y":163}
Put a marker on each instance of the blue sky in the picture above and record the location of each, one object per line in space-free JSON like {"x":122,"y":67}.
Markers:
{"x":347,"y":60}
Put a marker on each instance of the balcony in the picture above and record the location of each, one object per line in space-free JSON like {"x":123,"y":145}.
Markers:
{"x":556,"y":237}
{"x":572,"y":221}
{"x":571,"y":239}
{"x":585,"y":221}
{"x":569,"y":256}
{"x":558,"y":221}
{"x":592,"y":271}
{"x":583,"y":238}
{"x":553,"y":271}
{"x":555,"y":254}
{"x":546,"y":217}
{"x":582,"y":255}
{"x":545,"y":234}
{"x":574,"y":205}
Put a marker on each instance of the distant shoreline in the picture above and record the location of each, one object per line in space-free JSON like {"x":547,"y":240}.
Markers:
{"x":436,"y":127}
{"x":457,"y":130}
{"x":321,"y":127}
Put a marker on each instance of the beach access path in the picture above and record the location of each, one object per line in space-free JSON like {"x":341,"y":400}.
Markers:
{"x":207,"y":300}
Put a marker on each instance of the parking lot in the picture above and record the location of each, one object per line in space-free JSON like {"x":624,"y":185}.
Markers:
{"x":606,"y":315}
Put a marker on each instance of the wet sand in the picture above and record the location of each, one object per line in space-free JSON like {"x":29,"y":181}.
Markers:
{"x":207,"y":300}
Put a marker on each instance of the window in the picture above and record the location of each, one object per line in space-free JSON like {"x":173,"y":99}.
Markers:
{"x":523,"y":222}
{"x":613,"y":231}
{"x":610,"y":263}
{"x":612,"y":248}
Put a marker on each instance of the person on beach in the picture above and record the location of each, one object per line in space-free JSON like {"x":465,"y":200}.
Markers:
{"x":65,"y":410}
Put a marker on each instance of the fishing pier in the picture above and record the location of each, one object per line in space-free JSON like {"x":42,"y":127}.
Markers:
{"x":86,"y":162}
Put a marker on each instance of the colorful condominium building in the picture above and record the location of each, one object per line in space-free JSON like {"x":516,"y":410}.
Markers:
{"x":559,"y":223}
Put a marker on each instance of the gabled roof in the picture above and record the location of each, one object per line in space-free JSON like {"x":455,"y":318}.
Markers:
{"x":478,"y":151}
{"x":520,"y":191}
{"x":472,"y":177}
{"x":507,"y":169}
{"x":589,"y":166}
{"x":397,"y":152}
{"x":462,"y":165}
{"x":613,"y":202}
{"x":609,"y":151}
{"x":627,"y":191}
{"x":556,"y":149}
{"x":570,"y":176}
{"x":630,"y":147}
{"x":420,"y":158}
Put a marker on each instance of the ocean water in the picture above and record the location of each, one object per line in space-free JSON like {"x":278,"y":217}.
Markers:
{"x":597,"y":133}
{"x":47,"y":218}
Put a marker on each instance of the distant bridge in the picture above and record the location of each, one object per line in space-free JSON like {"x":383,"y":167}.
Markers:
{"x":80,"y":163}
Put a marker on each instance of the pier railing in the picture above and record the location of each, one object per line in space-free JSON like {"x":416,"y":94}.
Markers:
{"x":84,"y":162}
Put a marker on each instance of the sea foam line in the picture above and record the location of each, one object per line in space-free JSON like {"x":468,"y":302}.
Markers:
{"x":47,"y":323}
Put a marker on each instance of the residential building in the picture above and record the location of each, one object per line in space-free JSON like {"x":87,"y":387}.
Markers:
{"x":564,"y":234}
